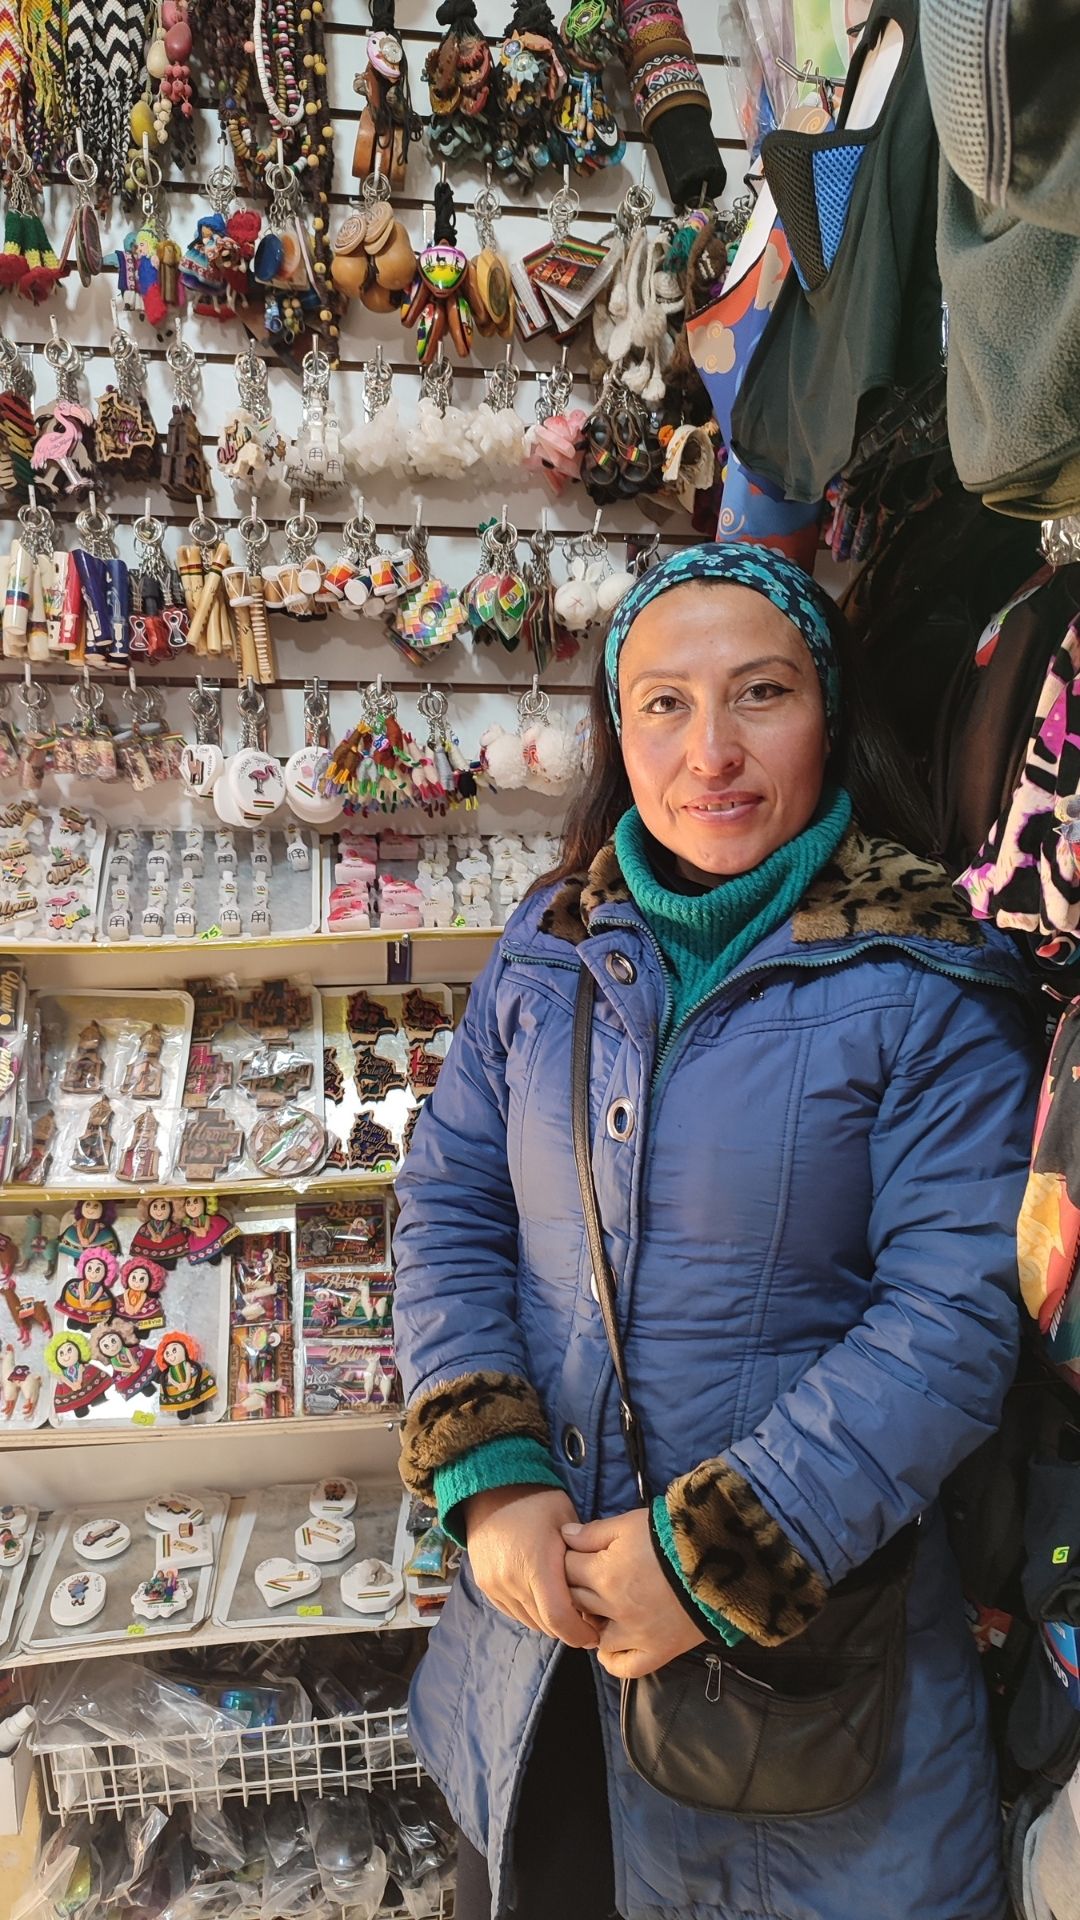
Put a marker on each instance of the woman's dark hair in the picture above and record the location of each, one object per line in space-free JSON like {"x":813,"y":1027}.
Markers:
{"x":867,"y":761}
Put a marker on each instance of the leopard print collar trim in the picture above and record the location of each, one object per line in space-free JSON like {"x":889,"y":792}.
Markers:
{"x":869,"y":886}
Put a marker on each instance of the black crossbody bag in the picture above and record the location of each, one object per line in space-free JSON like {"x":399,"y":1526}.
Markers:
{"x":765,"y":1732}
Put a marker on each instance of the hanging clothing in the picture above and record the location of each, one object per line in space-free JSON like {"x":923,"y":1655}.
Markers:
{"x":859,"y":318}
{"x":1002,"y":84}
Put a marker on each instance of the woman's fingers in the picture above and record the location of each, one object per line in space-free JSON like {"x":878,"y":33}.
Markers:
{"x":587,"y":1600}
{"x":558,"y":1615}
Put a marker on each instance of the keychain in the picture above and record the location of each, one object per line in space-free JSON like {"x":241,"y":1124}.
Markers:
{"x":592,"y":589}
{"x":158,"y":622}
{"x":249,"y":445}
{"x":251,"y":785}
{"x":542,"y":630}
{"x":554,"y":445}
{"x":388,"y":124}
{"x":201,"y":569}
{"x":35,"y":732}
{"x":84,"y":230}
{"x":496,"y":599}
{"x":313,"y":464}
{"x":27,"y":261}
{"x":375,"y":446}
{"x":16,"y":425}
{"x":202,"y":762}
{"x":86,"y":748}
{"x":496,"y":430}
{"x":305,"y":770}
{"x":63,"y":454}
{"x":148,"y":263}
{"x":426,"y":613}
{"x":296,"y":586}
{"x":245,"y":589}
{"x":126,"y":438}
{"x":185,"y":474}
{"x":458,"y":74}
{"x":146,"y":752}
{"x":104,"y":586}
{"x":489,"y":285}
{"x":438,"y":304}
{"x":531,"y":77}
{"x":373,"y":259}
{"x":439,"y":443}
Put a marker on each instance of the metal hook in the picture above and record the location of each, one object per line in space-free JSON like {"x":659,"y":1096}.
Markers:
{"x":81,"y":150}
{"x":132,"y":682}
{"x":502,"y":523}
{"x":596,"y":522}
{"x":642,"y":170}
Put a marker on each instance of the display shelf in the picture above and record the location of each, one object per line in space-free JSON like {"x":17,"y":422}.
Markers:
{"x":346,"y":1754}
{"x":345,"y":1427}
{"x":28,"y":1196}
{"x":212,"y":1635}
{"x":428,"y":954}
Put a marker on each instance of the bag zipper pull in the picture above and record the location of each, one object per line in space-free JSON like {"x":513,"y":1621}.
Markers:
{"x":712,"y":1684}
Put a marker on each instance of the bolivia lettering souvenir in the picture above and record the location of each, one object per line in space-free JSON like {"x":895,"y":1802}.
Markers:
{"x":126,"y":438}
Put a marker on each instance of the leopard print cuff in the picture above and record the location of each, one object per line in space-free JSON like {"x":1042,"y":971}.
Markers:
{"x":738,"y":1560}
{"x":462,"y":1414}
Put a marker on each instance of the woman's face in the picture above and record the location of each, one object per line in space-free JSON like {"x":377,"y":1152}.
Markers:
{"x":91,"y":1210}
{"x":160,"y":1210}
{"x":723,"y":727}
{"x":138,"y":1280}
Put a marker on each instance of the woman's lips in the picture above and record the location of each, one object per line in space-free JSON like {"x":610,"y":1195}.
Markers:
{"x":723,"y":810}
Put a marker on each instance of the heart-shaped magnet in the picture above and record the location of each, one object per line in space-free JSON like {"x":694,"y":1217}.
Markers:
{"x":280,"y":1581}
{"x":325,"y":1538}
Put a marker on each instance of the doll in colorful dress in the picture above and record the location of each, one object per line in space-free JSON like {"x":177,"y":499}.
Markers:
{"x":90,"y":1225}
{"x":208,"y":1231}
{"x":137,"y":1295}
{"x":161,"y":1235}
{"x":87,"y":1296}
{"x":185,"y":1384}
{"x":133,"y":1367}
{"x":78,"y":1382}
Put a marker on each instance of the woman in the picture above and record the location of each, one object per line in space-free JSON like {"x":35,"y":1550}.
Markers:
{"x":812,"y":1099}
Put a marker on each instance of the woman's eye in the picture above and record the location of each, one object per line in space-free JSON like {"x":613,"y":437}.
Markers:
{"x":763,"y":691}
{"x":662,"y":703}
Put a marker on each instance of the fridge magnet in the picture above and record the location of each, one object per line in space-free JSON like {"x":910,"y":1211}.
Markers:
{"x":375,"y":1076}
{"x":78,"y":1599}
{"x":366,"y":1019}
{"x":280,"y":1580}
{"x":164,"y":1512}
{"x":144,"y":1078}
{"x":15,"y":1518}
{"x":262,"y":1279}
{"x":423,"y":1018}
{"x":209,"y":1147}
{"x":93,"y":1148}
{"x":160,"y":1235}
{"x":133,"y":1369}
{"x":276,"y":1010}
{"x":333,"y":1499}
{"x":12,"y":1547}
{"x":164,"y":1594}
{"x":90,"y":1225}
{"x":78,"y":1382}
{"x":274,"y":1074}
{"x":371,"y":1587}
{"x":208,"y":1073}
{"x":20,"y":1386}
{"x":85,"y":1071}
{"x":287,"y":1143}
{"x":137,"y":1295}
{"x":189,"y":1544}
{"x":101,"y":1539}
{"x":324,"y":1539}
{"x":424,"y":1070}
{"x":372,"y":1147}
{"x":185,"y":1384}
{"x":141,"y":1158}
{"x":88,"y":1296}
{"x":209,"y":1233}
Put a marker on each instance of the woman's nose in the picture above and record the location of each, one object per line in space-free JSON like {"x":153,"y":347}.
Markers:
{"x":714,"y":746}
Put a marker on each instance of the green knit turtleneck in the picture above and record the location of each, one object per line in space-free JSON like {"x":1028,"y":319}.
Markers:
{"x":704,"y":935}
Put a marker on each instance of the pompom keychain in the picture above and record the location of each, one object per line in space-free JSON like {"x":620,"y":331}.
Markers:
{"x":377,"y":444}
{"x":495,"y":430}
{"x":554,"y":445}
{"x":552,"y":752}
{"x":593,"y":588}
{"x":439,"y":443}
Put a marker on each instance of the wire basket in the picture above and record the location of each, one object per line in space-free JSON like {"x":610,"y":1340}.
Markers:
{"x":346,"y":1754}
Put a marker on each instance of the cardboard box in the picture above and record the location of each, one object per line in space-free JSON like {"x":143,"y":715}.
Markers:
{"x":15,"y":1771}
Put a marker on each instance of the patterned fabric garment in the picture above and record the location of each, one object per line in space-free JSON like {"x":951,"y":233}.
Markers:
{"x":1048,"y":1230}
{"x":1026,"y":875}
{"x":791,"y":590}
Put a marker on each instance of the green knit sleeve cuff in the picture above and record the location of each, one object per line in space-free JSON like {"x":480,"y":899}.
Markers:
{"x":664,"y":1539}
{"x":513,"y":1462}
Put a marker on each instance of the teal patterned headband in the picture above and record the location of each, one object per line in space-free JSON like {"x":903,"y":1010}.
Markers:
{"x":796,"y":595}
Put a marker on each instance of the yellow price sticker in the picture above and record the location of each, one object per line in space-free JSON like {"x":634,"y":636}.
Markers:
{"x":143,"y":1418}
{"x":136,"y":1630}
{"x":211,"y":933}
{"x":309,"y":1613}
{"x":1060,"y":1556}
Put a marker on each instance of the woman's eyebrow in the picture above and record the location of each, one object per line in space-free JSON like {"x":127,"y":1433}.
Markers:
{"x":744,"y":666}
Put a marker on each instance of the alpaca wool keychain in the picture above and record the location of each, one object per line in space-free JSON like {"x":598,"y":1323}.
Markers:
{"x":104,"y":48}
{"x":554,"y":445}
{"x":438,"y":304}
{"x":185,"y":474}
{"x":377,"y":444}
{"x":458,"y":74}
{"x":388,"y":124}
{"x":62,"y":459}
{"x":126,"y":439}
{"x":593,"y":588}
{"x":454,"y":773}
{"x":540,"y":755}
{"x":249,"y":444}
{"x":438,"y":445}
{"x":215,"y":267}
{"x":496,"y":431}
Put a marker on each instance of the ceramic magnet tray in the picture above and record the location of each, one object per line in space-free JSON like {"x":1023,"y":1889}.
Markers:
{"x":383,"y":1052}
{"x":266,"y":1530}
{"x":116,"y":1624}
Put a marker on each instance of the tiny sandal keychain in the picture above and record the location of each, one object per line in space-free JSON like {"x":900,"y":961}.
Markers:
{"x":201,"y":761}
{"x":305,"y":770}
{"x":251,"y":785}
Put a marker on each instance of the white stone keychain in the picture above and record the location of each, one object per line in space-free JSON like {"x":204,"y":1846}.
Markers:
{"x":251,"y":786}
{"x":202,"y":761}
{"x":305,"y":768}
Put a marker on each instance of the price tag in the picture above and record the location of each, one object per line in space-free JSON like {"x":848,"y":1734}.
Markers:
{"x":211,"y":933}
{"x":309,"y":1613}
{"x":143,"y":1418}
{"x":136,"y":1630}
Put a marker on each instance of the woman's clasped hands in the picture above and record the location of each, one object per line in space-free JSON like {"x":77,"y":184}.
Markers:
{"x":598,"y":1586}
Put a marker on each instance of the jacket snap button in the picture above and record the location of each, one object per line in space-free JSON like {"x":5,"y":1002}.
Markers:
{"x":621,"y":1119}
{"x":621,"y":969}
{"x":573,"y":1445}
{"x":756,"y":993}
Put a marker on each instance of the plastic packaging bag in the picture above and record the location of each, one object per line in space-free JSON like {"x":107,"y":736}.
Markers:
{"x":352,"y":1869}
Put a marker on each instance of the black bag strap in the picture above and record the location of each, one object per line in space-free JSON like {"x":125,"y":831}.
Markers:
{"x":603,"y":1277}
